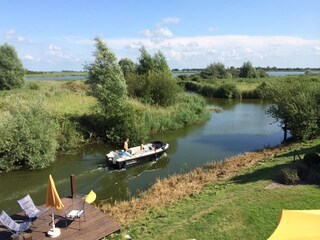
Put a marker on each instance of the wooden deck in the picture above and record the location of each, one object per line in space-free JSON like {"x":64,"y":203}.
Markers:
{"x":96,"y":226}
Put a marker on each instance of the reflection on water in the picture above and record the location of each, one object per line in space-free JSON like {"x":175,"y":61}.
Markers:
{"x":241,"y":126}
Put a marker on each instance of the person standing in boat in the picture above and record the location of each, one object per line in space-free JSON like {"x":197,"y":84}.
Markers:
{"x":126,"y":147}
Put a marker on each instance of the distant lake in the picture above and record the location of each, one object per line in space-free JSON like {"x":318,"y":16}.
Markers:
{"x":283,"y":73}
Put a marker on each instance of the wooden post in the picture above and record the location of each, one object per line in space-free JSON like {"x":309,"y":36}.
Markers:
{"x":73,"y":185}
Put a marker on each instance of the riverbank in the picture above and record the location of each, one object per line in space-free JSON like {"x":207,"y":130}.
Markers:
{"x":239,"y":198}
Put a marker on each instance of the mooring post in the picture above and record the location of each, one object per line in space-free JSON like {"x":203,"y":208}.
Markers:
{"x":73,"y":185}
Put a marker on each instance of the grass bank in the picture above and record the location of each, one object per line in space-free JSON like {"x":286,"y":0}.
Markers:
{"x":239,"y":198}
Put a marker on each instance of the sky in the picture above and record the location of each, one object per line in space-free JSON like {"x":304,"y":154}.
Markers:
{"x":55,"y":35}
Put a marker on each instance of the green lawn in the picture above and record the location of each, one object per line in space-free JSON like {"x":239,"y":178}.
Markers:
{"x":244,"y":207}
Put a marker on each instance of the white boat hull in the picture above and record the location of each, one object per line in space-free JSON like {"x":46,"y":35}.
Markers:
{"x":151,"y":151}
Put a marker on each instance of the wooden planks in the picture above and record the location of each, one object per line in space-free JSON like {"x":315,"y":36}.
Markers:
{"x":96,"y":226}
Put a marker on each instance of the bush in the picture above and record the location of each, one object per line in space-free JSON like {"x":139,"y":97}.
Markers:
{"x":289,"y":175}
{"x":33,"y":86}
{"x":153,"y":88}
{"x":296,"y":106}
{"x":183,"y":77}
{"x":228,"y":90}
{"x":250,"y":94}
{"x":312,"y":160}
{"x":67,"y":135}
{"x":28,"y":137}
{"x":77,"y":87}
{"x":309,"y":168}
{"x":130,"y":124}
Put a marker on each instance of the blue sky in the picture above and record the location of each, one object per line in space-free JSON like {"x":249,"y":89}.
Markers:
{"x":58,"y":35}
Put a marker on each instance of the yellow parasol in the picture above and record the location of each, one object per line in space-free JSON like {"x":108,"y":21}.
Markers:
{"x":298,"y":225}
{"x":53,"y":200}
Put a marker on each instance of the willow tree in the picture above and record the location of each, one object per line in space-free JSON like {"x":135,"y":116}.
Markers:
{"x":11,"y":68}
{"x":106,"y":80}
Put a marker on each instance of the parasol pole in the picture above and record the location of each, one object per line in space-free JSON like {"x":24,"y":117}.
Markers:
{"x":53,"y":226}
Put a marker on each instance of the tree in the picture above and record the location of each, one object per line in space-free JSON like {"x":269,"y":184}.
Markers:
{"x":128,"y":67}
{"x":106,"y":80}
{"x":11,"y":68}
{"x":146,"y":63}
{"x":160,"y":63}
{"x":214,"y":70}
{"x":155,"y":63}
{"x":248,"y":71}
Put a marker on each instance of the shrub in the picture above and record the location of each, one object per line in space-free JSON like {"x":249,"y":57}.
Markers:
{"x":28,"y":137}
{"x":76,"y":86}
{"x":289,"y":175}
{"x":251,"y":94}
{"x":308,"y":174}
{"x":130,"y":124}
{"x":183,"y":77}
{"x":296,"y":106}
{"x":153,"y":88}
{"x":228,"y":90}
{"x":67,"y":135}
{"x":193,"y":86}
{"x":209,"y":90}
{"x":312,"y":160}
{"x":33,"y":86}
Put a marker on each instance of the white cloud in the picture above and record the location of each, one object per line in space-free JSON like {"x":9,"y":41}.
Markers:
{"x":54,"y":48}
{"x":163,"y":33}
{"x":12,"y":36}
{"x":147,"y":33}
{"x":232,"y":50}
{"x":172,"y":20}
{"x":28,"y":57}
{"x":316,"y":49}
{"x":213,"y":29}
{"x":57,"y":52}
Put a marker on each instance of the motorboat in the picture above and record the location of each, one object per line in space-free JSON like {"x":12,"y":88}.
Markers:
{"x":145,"y":152}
